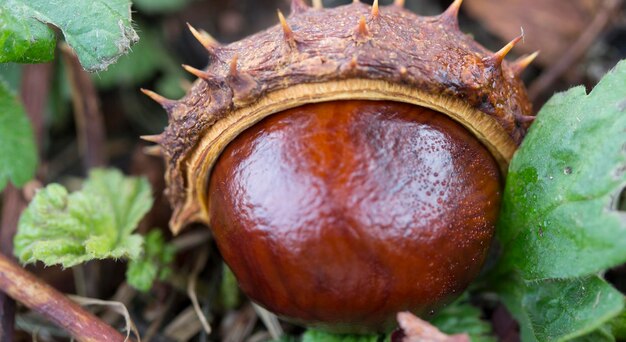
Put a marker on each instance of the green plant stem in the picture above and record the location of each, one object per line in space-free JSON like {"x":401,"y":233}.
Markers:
{"x":55,"y":306}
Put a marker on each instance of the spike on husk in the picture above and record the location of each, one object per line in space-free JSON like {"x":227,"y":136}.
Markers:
{"x":362,"y":30}
{"x":163,"y":101}
{"x":156,"y":139}
{"x":154,"y":151}
{"x":209,"y":43}
{"x":197,"y":72}
{"x":398,"y":3}
{"x":497,"y":58}
{"x":523,"y":62}
{"x":375,"y":9}
{"x":287,"y":31}
{"x":451,"y":15}
{"x":233,"y":71}
{"x":317,"y":4}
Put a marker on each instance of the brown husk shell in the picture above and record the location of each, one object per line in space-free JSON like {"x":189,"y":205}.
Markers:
{"x":422,"y":56}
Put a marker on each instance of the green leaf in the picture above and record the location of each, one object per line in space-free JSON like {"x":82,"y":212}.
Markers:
{"x":11,"y":74}
{"x":618,"y":326}
{"x":153,"y":263}
{"x":159,"y":6}
{"x":130,"y":198}
{"x":98,"y":30}
{"x":461,"y":317}
{"x":18,"y":154}
{"x":141,"y":274}
{"x":23,"y":39}
{"x":320,"y":336}
{"x":559,"y":217}
{"x":93,"y":223}
{"x":147,"y":58}
{"x":559,"y":310}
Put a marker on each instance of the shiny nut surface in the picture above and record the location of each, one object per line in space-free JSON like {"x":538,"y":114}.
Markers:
{"x":341,"y":214}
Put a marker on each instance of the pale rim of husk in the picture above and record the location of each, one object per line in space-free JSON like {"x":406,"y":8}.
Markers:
{"x":198,"y":167}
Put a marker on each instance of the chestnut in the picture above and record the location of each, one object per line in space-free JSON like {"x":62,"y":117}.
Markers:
{"x":341,"y":214}
{"x":349,"y":161}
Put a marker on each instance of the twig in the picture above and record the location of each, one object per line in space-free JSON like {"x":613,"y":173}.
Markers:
{"x":239,"y":328}
{"x":191,"y":240}
{"x":118,"y":307}
{"x":56,"y":307}
{"x":124,"y":294}
{"x":270,"y":321}
{"x":191,"y":289}
{"x":184,"y":326}
{"x":577,"y":50}
{"x":89,"y":121}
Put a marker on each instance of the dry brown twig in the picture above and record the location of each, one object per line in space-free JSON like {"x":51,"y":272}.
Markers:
{"x":191,"y":289}
{"x":115,"y":306}
{"x":24,"y":287}
{"x":89,"y":121}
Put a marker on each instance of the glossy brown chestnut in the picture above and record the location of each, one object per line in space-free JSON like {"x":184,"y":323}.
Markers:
{"x":341,"y":214}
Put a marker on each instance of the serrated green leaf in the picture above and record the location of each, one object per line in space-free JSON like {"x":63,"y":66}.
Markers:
{"x":98,"y":30}
{"x":559,"y":310}
{"x":320,"y":336}
{"x":559,"y":217}
{"x":94,"y":223}
{"x":152,"y":264}
{"x":147,"y":57}
{"x":18,"y":155}
{"x":461,"y":317}
{"x":141,"y":274}
{"x":130,"y":198}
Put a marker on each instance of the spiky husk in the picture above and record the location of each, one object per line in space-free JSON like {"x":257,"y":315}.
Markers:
{"x":356,"y":52}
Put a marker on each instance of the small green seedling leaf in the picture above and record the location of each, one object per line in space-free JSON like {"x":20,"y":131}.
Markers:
{"x":560,"y":310}
{"x":99,"y":31}
{"x":18,"y":155}
{"x":153,"y":264}
{"x":320,"y":336}
{"x":94,"y":223}
{"x":461,"y":317}
{"x":560,"y":214}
